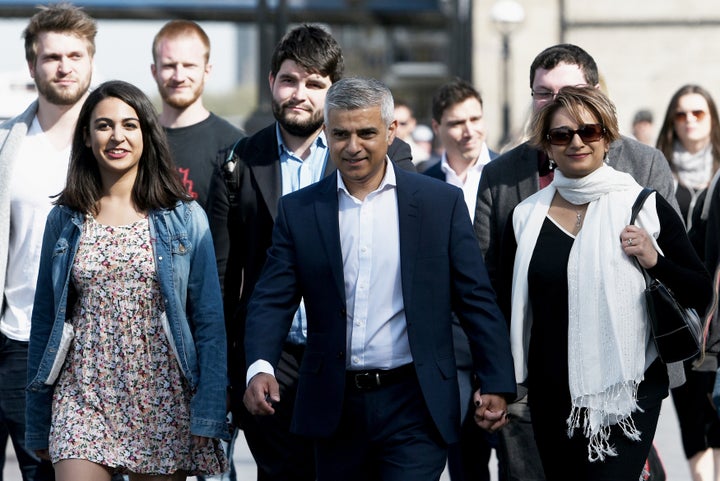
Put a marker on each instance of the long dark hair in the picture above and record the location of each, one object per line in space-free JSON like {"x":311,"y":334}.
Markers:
{"x":667,"y":136}
{"x":157,"y":184}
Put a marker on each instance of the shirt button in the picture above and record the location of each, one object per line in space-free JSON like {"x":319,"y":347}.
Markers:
{"x":355,"y":360}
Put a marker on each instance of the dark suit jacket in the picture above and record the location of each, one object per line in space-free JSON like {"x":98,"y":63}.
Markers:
{"x":462,"y":350}
{"x":436,"y":172}
{"x":242,"y":232}
{"x":441,"y":270}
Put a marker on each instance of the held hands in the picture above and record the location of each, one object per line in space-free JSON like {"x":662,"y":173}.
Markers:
{"x":43,"y":454}
{"x":636,"y":242}
{"x":261,"y":393}
{"x":490,"y":411}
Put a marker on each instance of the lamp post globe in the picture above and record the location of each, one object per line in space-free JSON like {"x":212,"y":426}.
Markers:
{"x":506,"y":16}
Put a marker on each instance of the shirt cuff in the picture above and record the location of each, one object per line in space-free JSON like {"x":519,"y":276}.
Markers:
{"x":257,"y":367}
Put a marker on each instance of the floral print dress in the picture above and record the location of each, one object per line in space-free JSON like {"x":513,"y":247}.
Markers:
{"x":121,"y":399}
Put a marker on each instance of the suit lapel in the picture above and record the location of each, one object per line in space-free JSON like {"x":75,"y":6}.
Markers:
{"x":526,"y":170}
{"x":326,"y":212}
{"x":409,"y":230}
{"x":264,"y":163}
{"x":329,"y":167}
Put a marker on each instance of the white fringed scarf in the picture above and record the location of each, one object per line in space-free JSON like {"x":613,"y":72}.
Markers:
{"x":608,"y":330}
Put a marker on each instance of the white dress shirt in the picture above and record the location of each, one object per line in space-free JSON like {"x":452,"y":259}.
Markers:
{"x":472,"y":178}
{"x":370,"y":241}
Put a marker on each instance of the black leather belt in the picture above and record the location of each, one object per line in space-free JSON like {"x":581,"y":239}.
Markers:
{"x":377,"y":378}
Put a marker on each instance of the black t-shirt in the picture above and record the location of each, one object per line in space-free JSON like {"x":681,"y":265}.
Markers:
{"x":198,"y":149}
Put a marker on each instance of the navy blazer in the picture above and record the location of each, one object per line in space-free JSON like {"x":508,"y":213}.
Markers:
{"x":242,"y":233}
{"x":442,"y":270}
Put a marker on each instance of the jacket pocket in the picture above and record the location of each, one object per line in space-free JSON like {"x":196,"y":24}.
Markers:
{"x":168,"y":334}
{"x":68,"y":335}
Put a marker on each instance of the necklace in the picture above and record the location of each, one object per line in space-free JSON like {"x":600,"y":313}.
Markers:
{"x":578,"y":220}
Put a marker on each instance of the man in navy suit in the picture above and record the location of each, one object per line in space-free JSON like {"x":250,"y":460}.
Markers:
{"x":283,"y":157}
{"x":459,"y":122}
{"x":381,"y":257}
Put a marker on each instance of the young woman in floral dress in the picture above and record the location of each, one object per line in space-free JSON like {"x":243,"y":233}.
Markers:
{"x":127,"y":283}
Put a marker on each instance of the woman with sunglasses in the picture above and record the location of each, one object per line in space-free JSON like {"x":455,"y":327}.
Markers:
{"x":579,"y":329}
{"x":690,"y":140}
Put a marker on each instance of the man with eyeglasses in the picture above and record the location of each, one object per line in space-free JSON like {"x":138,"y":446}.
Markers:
{"x":522,"y":171}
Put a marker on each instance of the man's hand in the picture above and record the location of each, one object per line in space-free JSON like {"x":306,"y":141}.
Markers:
{"x":261,"y":393}
{"x":43,"y":454}
{"x":490,"y":411}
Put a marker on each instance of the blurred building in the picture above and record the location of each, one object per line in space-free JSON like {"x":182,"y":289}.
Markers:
{"x":645,"y":50}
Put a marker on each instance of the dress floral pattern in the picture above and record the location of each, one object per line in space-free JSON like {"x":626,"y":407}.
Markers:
{"x":121,"y":399}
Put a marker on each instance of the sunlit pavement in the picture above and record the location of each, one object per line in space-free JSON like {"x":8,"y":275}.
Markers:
{"x":667,"y":441}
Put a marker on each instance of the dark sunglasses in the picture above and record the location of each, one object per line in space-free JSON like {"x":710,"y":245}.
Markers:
{"x":564,"y":135}
{"x":683,"y":116}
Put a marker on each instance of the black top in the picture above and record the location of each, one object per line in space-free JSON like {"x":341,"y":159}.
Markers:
{"x":198,"y":149}
{"x":679,"y":268}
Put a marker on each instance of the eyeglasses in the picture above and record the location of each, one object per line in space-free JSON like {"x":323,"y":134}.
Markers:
{"x":544,"y":95}
{"x":564,"y":135}
{"x":683,"y":116}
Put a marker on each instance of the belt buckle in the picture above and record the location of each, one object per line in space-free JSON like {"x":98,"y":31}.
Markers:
{"x":366,"y":380}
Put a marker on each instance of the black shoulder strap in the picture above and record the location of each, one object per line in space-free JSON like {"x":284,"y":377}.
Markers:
{"x":637,"y":206}
{"x":230,"y":172}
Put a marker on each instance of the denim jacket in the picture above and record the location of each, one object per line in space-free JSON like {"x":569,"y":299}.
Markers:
{"x":189,"y":285}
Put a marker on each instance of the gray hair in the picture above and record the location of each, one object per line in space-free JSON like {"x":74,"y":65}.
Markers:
{"x":354,"y":93}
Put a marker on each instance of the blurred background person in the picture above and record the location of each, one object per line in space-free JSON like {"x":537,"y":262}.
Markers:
{"x":690,"y":140}
{"x":457,"y":111}
{"x":643,"y":128}
{"x":406,"y":125}
{"x":423,"y":137}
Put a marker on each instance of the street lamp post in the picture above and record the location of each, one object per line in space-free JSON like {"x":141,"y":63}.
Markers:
{"x":506,"y":15}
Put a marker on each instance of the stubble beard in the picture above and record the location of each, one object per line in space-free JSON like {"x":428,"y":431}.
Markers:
{"x":296,"y":127}
{"x":62,"y":96}
{"x":179,"y":101}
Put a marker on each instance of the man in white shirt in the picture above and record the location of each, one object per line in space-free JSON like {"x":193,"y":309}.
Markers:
{"x":34,"y":155}
{"x":459,"y":123}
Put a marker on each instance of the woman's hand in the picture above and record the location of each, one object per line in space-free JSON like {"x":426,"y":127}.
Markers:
{"x":200,"y":441}
{"x":490,"y":411}
{"x":636,"y":242}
